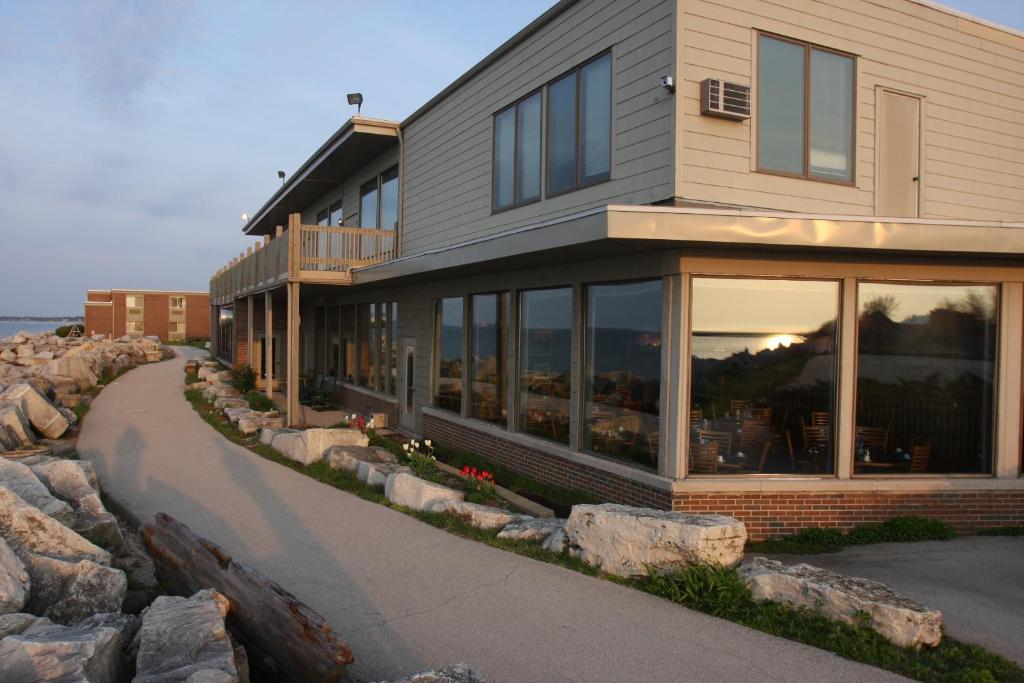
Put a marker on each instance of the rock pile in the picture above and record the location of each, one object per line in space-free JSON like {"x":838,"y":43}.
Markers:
{"x":43,"y":376}
{"x":217,"y":389}
{"x":63,"y":587}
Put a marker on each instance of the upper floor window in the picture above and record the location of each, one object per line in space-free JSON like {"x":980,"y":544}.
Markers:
{"x":177,"y":302}
{"x":378,"y":201}
{"x":517,"y":153}
{"x":323,"y":217}
{"x":805,"y":110}
{"x":337,"y":214}
{"x":134,"y":301}
{"x":579,"y":126}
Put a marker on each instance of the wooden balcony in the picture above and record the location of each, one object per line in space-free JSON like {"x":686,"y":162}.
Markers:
{"x":303,"y":253}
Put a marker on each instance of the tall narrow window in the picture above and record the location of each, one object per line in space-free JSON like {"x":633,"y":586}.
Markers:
{"x":363,"y":345}
{"x":348,"y":336}
{"x":488,"y":371}
{"x":337,"y":214}
{"x":393,"y":350}
{"x":926,"y":378}
{"x":449,"y":329}
{"x":805,"y":110}
{"x":623,"y":371}
{"x":579,"y":126}
{"x":763,"y":369}
{"x":517,"y":153}
{"x":389,"y":199}
{"x":545,"y":362}
{"x":368,"y":194}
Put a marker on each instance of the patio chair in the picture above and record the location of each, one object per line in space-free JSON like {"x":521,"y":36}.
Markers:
{"x":762,"y":415}
{"x":704,"y":458}
{"x":919,"y":456}
{"x":723,"y":439}
{"x":737,"y":406}
{"x":821,"y":418}
{"x":874,"y":437}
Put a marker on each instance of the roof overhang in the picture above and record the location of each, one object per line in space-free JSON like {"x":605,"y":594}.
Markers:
{"x":357,"y":142}
{"x":610,"y":230}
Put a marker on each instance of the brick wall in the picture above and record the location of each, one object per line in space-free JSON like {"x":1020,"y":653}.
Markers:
{"x":543,"y":466}
{"x":365,"y":404}
{"x":774,"y":514}
{"x":99,"y":320}
{"x":241,"y":332}
{"x":156,"y":315}
{"x":197,"y":316}
{"x":98,"y":296}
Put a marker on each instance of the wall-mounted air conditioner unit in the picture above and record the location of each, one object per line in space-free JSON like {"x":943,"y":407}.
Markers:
{"x":724,"y":100}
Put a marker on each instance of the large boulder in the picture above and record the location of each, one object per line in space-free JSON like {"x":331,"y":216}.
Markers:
{"x":414,"y":493}
{"x":185,"y":639}
{"x":74,"y":481}
{"x":480,"y":516}
{"x":21,"y":480}
{"x":532,"y":529}
{"x":28,"y":530}
{"x":254,"y":421}
{"x":377,"y":473}
{"x":67,"y":592}
{"x":629,"y":541}
{"x":18,"y":622}
{"x":349,"y":457}
{"x":15,"y":431}
{"x":230,"y":402}
{"x":234,"y":413}
{"x":51,"y":652}
{"x":76,"y":366}
{"x":38,"y":410}
{"x":14,"y":581}
{"x":899,"y":619}
{"x":310,"y":445}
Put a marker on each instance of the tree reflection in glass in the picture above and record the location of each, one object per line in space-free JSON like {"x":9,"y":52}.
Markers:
{"x":763,"y":374}
{"x":489,"y":371}
{"x":623,"y":371}
{"x":925,"y":378}
{"x":545,"y":360}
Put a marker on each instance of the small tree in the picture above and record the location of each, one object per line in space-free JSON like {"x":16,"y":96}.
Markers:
{"x":243,"y":378}
{"x":886,"y":304}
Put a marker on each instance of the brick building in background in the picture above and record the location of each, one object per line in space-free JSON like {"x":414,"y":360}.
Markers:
{"x":170,"y":315}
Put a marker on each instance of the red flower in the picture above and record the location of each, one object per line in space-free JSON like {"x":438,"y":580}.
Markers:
{"x":465,"y":470}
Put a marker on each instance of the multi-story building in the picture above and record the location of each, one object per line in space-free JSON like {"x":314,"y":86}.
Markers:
{"x":753,"y":257}
{"x":170,"y":315}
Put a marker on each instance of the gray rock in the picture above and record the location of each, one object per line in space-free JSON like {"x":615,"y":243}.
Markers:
{"x":224,"y":402}
{"x":67,"y":592}
{"x":234,"y":413}
{"x":349,"y":457}
{"x":255,"y":421}
{"x":186,"y":639}
{"x":555,"y":543}
{"x":480,"y":516}
{"x":532,"y":529}
{"x":899,"y":619}
{"x":416,"y":494}
{"x":51,"y":652}
{"x":38,"y":410}
{"x":21,"y":480}
{"x":460,"y":673}
{"x":19,"y":622}
{"x":74,"y":481}
{"x":310,"y":445}
{"x":27,"y":530}
{"x":628,"y":541}
{"x":127,"y":624}
{"x":15,"y":431}
{"x":14,"y":581}
{"x":377,"y":473}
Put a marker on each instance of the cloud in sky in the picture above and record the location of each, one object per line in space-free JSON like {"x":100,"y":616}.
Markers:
{"x":135,"y":132}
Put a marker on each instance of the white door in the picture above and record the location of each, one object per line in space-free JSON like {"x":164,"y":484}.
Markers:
{"x":898,"y":188}
{"x":407,"y":393}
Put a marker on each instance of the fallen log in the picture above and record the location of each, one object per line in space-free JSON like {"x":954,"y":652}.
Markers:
{"x":264,"y":613}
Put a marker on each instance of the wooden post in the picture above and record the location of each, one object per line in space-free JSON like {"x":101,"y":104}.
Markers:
{"x":292,"y":380}
{"x":251,"y":304}
{"x":268,"y":341}
{"x":278,"y":231}
{"x":294,"y":244}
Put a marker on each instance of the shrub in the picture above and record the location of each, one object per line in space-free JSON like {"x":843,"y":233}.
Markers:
{"x":243,"y":378}
{"x":65,"y":330}
{"x":479,"y":485}
{"x":259,"y":401}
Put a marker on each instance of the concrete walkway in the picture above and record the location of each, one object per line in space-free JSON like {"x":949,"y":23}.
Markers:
{"x":407,"y":596}
{"x":977,"y":582}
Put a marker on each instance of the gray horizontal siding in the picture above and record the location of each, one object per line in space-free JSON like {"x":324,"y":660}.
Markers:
{"x":348,"y":190}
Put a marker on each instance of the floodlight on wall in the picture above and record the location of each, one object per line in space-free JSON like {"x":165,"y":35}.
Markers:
{"x":280,"y":174}
{"x":356,"y":98}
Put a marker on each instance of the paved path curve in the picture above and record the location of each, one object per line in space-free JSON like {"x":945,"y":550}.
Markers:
{"x":407,"y":596}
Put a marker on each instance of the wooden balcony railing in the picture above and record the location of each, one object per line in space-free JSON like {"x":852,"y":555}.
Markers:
{"x":303,"y":253}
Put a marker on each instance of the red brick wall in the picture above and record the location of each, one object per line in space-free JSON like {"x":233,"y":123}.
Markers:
{"x":241,"y":332}
{"x":543,"y":466}
{"x":119,"y":314}
{"x":155,"y":315}
{"x":774,"y":514}
{"x":365,"y":404}
{"x":98,"y":320}
{"x":197,"y":316}
{"x":98,"y":296}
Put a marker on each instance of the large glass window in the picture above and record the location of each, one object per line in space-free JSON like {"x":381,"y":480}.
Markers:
{"x":579,"y":126}
{"x":489,"y":371}
{"x":389,"y":199}
{"x":926,"y":363}
{"x":623,"y":371}
{"x":368,"y":194}
{"x":763,"y":376}
{"x":392,"y":387}
{"x":337,"y":212}
{"x":517,"y":153}
{"x":333,"y":336}
{"x":805,"y":110}
{"x":448,"y":381}
{"x":348,"y":333}
{"x":545,"y":362}
{"x":364,"y":366}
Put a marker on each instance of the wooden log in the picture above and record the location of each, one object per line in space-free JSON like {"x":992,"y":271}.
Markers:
{"x":264,"y":613}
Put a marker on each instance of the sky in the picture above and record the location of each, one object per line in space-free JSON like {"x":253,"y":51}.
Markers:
{"x":134,"y":134}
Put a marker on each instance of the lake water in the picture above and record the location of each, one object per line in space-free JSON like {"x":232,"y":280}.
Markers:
{"x":9,"y":328}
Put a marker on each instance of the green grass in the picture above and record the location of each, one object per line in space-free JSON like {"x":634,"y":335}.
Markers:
{"x":259,"y":401}
{"x":1003,"y":531}
{"x":722,"y":593}
{"x":714,"y":591}
{"x":818,"y":540}
{"x":191,"y":378}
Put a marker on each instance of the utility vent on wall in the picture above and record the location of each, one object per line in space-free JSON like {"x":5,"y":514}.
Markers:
{"x":724,"y":100}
